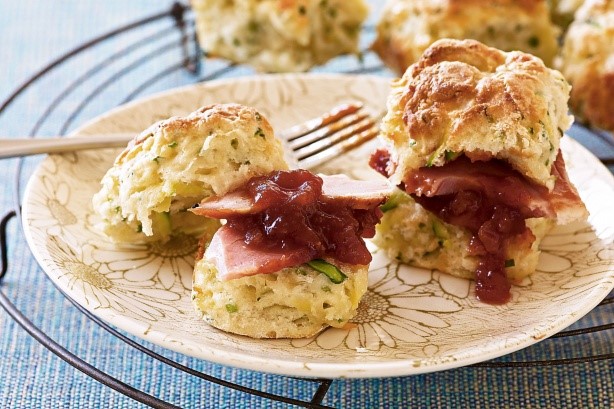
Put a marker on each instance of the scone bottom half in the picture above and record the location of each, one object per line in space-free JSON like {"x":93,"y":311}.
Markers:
{"x":175,"y":163}
{"x":295,"y":302}
{"x":472,"y":139}
{"x":291,"y":258}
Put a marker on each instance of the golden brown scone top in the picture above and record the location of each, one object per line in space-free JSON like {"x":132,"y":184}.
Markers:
{"x":211,"y":117}
{"x":587,"y":61}
{"x":463,"y":97}
{"x":407,"y":27}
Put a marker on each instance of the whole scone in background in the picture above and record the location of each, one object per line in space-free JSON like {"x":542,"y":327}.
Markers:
{"x":562,"y":11}
{"x":176,"y":163}
{"x":279,"y":35}
{"x":407,"y":27}
{"x":587,"y":61}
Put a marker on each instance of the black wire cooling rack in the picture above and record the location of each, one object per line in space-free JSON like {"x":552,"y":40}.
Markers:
{"x":173,"y":31}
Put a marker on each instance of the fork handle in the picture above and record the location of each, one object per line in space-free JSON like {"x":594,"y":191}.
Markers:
{"x":10,"y":148}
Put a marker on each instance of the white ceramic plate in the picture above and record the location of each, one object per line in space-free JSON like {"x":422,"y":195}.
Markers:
{"x":411,"y":321}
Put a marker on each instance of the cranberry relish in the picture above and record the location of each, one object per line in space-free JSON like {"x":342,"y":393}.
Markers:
{"x":293,"y":213}
{"x":489,"y":199}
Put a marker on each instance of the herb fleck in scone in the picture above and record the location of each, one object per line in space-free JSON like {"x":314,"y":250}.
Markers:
{"x":176,"y":163}
{"x":279,"y":35}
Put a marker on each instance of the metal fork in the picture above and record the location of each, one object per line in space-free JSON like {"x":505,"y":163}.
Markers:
{"x":307,"y":144}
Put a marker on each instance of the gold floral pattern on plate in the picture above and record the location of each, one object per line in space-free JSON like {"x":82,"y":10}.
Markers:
{"x":411,"y":320}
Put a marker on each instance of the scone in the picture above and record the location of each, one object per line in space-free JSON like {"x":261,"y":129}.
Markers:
{"x":407,"y":27}
{"x":176,"y":163}
{"x":472,"y":135}
{"x":562,"y":11}
{"x":290,"y":260}
{"x":279,"y":35}
{"x":587,"y":61}
{"x":294,"y":302}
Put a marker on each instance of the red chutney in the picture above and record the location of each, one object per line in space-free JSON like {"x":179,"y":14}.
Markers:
{"x":379,"y":161}
{"x":296,"y":215}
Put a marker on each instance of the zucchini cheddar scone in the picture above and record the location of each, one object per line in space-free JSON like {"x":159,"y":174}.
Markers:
{"x":279,"y":35}
{"x":407,"y":27}
{"x":291,"y":259}
{"x":587,"y":61}
{"x":176,"y":163}
{"x":472,"y":138}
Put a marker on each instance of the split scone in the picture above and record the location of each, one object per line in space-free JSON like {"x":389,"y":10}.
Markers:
{"x":279,"y":35}
{"x":587,"y":61}
{"x":472,"y":137}
{"x":407,"y":27}
{"x":290,"y":260}
{"x":176,"y":163}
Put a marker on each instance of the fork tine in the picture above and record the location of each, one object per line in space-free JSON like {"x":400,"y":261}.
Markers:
{"x":326,"y":131}
{"x":312,"y":125}
{"x":317,"y":140}
{"x":357,"y":137}
{"x":334,"y":137}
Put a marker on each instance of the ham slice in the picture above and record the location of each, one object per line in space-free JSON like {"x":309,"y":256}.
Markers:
{"x":302,"y":217}
{"x":499,"y":183}
{"x":235,"y":259}
{"x":357,"y":194}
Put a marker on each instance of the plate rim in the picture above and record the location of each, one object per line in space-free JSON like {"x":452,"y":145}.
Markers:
{"x":299,"y":367}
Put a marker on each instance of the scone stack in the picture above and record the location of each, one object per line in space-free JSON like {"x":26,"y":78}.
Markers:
{"x":472,"y":139}
{"x":289,"y":260}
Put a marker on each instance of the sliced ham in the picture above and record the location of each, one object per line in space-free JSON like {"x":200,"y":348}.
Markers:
{"x":288,"y":218}
{"x":233,"y":258}
{"x":357,"y":194}
{"x":497,"y":182}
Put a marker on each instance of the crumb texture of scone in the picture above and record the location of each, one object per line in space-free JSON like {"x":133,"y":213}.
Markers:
{"x":587,"y":61}
{"x":279,"y":35}
{"x":463,"y":97}
{"x":294,"y":302}
{"x":407,"y":27}
{"x":413,"y":235}
{"x":176,"y":163}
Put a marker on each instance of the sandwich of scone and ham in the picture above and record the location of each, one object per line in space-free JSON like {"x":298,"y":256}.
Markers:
{"x":472,"y":141}
{"x":291,"y":259}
